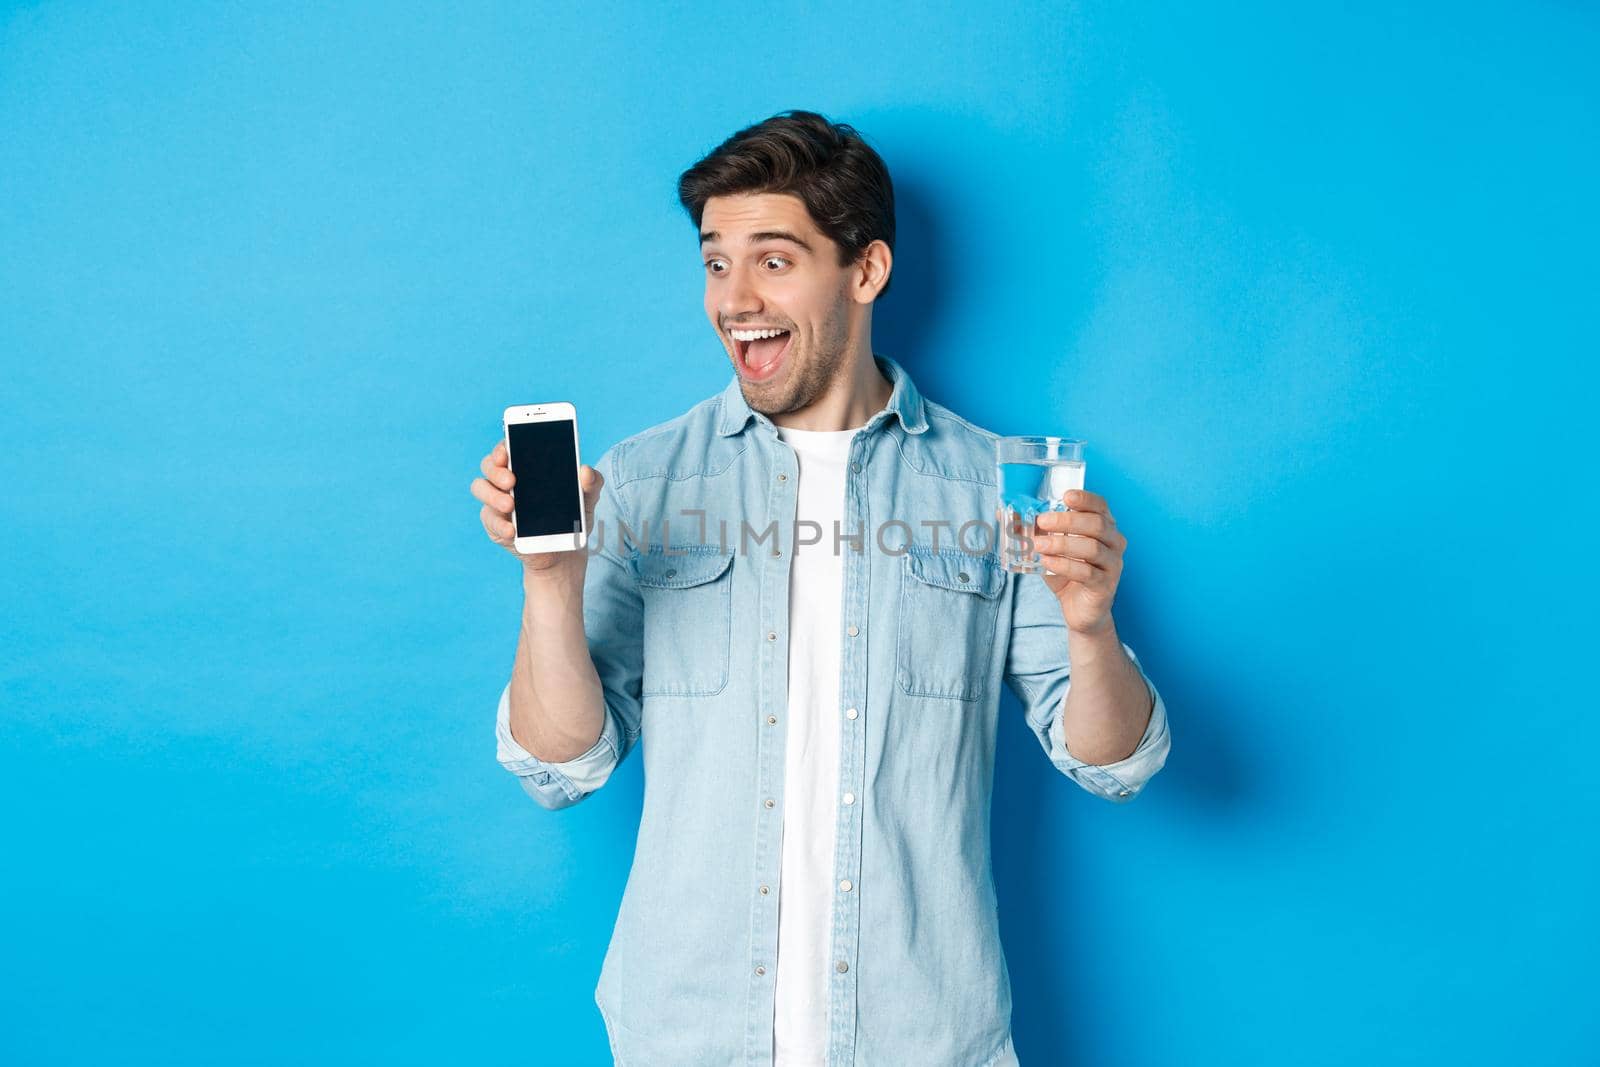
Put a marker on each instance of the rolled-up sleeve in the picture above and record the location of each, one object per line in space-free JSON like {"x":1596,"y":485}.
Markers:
{"x":1039,"y":672}
{"x":613,"y":622}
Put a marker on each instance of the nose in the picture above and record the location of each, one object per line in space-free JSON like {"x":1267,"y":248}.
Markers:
{"x":739,"y":297}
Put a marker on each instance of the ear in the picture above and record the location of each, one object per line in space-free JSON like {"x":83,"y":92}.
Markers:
{"x":870,"y":272}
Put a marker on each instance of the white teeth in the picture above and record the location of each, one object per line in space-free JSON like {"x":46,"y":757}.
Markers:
{"x":753,"y":335}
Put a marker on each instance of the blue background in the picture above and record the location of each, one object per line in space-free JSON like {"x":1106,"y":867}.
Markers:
{"x":1318,"y":287}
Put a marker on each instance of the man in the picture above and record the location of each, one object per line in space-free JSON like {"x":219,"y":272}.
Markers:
{"x":807,"y":626}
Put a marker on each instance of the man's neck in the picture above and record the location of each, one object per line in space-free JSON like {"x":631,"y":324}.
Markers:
{"x":852,"y":401}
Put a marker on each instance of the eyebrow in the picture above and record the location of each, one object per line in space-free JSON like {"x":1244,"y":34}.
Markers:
{"x":755,"y":238}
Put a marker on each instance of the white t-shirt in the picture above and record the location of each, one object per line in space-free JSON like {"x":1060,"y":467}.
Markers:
{"x":811,"y":761}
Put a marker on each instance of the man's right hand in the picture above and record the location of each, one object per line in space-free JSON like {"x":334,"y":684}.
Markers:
{"x":494,"y":489}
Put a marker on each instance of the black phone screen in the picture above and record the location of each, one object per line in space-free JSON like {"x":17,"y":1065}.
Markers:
{"x":545,"y":497}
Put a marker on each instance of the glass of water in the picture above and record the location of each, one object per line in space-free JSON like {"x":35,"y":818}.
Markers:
{"x":1035,"y":473}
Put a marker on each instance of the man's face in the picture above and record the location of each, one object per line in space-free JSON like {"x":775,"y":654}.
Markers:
{"x":767,"y":266}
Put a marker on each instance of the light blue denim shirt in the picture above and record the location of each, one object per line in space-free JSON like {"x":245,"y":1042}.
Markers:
{"x":688,"y":629}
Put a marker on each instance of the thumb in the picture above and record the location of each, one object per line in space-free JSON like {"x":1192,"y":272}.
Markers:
{"x":590,"y":481}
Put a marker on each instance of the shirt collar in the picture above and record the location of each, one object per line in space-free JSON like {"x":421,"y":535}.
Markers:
{"x":905,"y":401}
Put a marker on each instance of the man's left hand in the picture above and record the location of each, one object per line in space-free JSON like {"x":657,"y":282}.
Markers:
{"x":1084,"y":551}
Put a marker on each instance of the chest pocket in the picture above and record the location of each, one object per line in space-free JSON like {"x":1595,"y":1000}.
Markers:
{"x":688,"y":613}
{"x":949,"y":610}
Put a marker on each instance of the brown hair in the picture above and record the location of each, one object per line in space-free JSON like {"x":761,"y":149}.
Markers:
{"x":837,"y":175}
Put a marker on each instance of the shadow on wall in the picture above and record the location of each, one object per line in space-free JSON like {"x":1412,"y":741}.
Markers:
{"x":1203,"y":778}
{"x":903,"y":320}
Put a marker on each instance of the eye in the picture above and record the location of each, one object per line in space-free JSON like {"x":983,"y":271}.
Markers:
{"x":711,"y":263}
{"x":779,"y":259}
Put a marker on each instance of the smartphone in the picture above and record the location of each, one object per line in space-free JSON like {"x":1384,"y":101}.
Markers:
{"x":547,"y":501}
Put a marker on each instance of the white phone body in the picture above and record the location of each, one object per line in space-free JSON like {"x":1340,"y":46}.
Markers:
{"x":542,"y":452}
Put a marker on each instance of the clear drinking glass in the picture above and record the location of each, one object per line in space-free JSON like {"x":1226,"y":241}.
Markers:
{"x":1034,"y":474}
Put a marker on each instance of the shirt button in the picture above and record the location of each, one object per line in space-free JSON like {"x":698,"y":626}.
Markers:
{"x":772,"y":720}
{"x":961,"y":577}
{"x":768,"y":802}
{"x":782,"y":477}
{"x":856,"y":467}
{"x":764,"y":890}
{"x":849,"y":798}
{"x":771,"y":635}
{"x":845,"y":885}
{"x":841,"y":966}
{"x":852,"y":631}
{"x":849,"y":713}
{"x":777,"y":551}
{"x":761,"y":970}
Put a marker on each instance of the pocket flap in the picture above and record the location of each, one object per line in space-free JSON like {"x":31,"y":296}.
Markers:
{"x":683,"y":568}
{"x":960,"y":571}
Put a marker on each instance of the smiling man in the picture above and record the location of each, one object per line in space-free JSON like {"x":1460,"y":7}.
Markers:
{"x":793,"y":606}
{"x":795,"y":320}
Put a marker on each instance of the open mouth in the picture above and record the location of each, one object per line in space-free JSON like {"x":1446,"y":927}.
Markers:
{"x":759,"y":354}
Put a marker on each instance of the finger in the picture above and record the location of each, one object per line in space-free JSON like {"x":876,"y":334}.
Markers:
{"x":1088,"y":525}
{"x":1073,"y":569}
{"x":499,"y":529}
{"x":1092,"y":523}
{"x":1083,"y":500}
{"x":1076,"y":546}
{"x":503,"y":466}
{"x":495,"y":469}
{"x":496,"y":501}
{"x":492,"y":497}
{"x":592,"y":481}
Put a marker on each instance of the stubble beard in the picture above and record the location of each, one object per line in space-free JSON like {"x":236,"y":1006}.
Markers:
{"x":807,"y":378}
